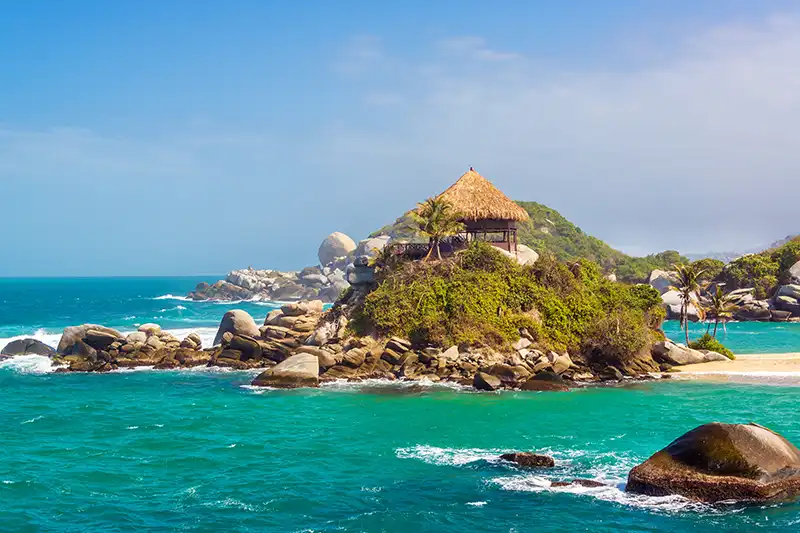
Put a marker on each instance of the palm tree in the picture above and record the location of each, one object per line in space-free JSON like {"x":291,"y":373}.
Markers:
{"x":437,"y":218}
{"x":721,"y":305}
{"x":687,"y":284}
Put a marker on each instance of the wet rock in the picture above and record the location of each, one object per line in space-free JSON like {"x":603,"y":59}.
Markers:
{"x":529,"y":460}
{"x":716,"y":462}
{"x":73,"y":334}
{"x":299,"y":370}
{"x":27,"y":347}
{"x":545,"y":381}
{"x":486,"y":382}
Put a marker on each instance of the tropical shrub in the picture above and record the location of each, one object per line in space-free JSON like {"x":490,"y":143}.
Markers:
{"x":707,"y":342}
{"x":480,"y":297}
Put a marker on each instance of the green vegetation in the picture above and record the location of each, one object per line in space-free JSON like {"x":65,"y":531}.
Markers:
{"x":763,"y":271}
{"x":436,"y":219}
{"x":707,"y":342}
{"x":687,"y":285}
{"x":480,"y":297}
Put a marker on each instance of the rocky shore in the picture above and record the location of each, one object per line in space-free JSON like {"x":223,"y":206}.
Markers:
{"x":299,"y":345}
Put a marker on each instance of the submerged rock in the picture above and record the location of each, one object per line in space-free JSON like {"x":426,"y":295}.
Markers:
{"x":588,"y":483}
{"x":716,"y":462}
{"x":27,"y":347}
{"x":529,"y":460}
{"x":299,"y":370}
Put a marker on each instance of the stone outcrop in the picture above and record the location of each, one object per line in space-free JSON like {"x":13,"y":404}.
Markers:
{"x":794,"y":273}
{"x":299,"y":370}
{"x":27,"y":347}
{"x":529,"y":460}
{"x":236,"y":322}
{"x":93,"y":335}
{"x":717,"y":462}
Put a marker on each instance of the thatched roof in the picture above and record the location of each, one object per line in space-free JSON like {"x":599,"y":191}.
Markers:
{"x":477,"y":199}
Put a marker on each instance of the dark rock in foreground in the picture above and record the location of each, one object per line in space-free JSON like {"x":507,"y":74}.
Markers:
{"x":529,"y":460}
{"x":717,"y":462}
{"x":27,"y":347}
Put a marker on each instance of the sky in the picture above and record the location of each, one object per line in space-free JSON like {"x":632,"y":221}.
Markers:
{"x":195,"y":137}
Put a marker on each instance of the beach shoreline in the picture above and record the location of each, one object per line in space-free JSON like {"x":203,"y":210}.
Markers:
{"x":780,"y":368}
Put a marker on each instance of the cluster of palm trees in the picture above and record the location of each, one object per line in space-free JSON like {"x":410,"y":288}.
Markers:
{"x":688,"y":283}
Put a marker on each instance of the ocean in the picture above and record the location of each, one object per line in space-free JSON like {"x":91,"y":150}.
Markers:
{"x":202,"y":451}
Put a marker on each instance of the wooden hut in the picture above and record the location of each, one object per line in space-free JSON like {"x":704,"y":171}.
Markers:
{"x":488,"y":215}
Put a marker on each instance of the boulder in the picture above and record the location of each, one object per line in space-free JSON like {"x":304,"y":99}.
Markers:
{"x":529,"y":460}
{"x":74,"y":334}
{"x":521,"y":344}
{"x":150,"y":329}
{"x":588,"y":483}
{"x":545,"y":381}
{"x":334,"y":246}
{"x":662,"y":280}
{"x":299,"y":370}
{"x":359,"y":272}
{"x":673,"y":354}
{"x":794,"y":273}
{"x":100,"y":340}
{"x":373,"y":246}
{"x":302,"y":308}
{"x":792,"y":291}
{"x":136,"y":336}
{"x":248,"y":346}
{"x":526,"y":255}
{"x":753,"y":310}
{"x":27,"y":347}
{"x":237,"y":322}
{"x":716,"y":462}
{"x":486,"y":382}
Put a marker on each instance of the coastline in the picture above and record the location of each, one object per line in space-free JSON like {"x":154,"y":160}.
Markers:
{"x":775,"y":368}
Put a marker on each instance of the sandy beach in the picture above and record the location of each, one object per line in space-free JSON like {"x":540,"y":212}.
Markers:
{"x":784,"y":367}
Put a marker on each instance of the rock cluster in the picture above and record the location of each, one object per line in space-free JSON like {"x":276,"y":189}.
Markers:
{"x":717,"y":462}
{"x":251,"y":284}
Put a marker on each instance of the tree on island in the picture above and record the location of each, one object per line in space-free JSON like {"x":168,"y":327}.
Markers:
{"x":688,"y":279}
{"x":721,"y":306}
{"x":436,"y":219}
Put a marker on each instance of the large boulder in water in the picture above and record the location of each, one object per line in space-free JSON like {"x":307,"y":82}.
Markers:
{"x":237,"y":322}
{"x":98,"y":337}
{"x":334,"y":246}
{"x":27,"y":347}
{"x":716,"y":462}
{"x":299,"y":370}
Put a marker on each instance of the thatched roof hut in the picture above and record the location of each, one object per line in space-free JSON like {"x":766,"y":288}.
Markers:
{"x":477,"y":199}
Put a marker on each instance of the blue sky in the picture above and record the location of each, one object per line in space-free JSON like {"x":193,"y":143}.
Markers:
{"x":181,"y":137}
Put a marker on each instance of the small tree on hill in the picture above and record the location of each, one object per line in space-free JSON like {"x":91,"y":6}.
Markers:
{"x":687,"y":284}
{"x":436,"y":219}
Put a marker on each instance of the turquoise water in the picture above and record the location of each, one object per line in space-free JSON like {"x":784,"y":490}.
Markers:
{"x":199,"y":451}
{"x":745,"y":337}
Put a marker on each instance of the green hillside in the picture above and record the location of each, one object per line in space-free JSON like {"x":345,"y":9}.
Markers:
{"x":548,"y":231}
